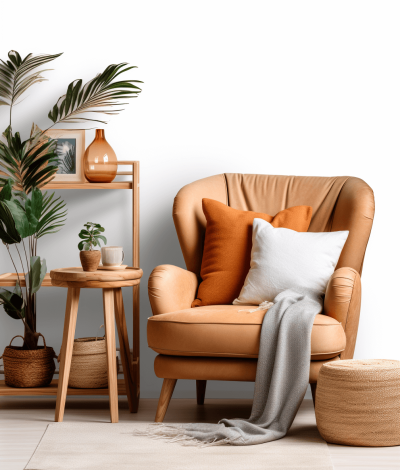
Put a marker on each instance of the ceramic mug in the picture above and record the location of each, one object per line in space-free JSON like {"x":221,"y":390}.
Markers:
{"x":112,"y":255}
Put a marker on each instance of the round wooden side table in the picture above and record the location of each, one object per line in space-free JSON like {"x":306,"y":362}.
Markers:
{"x":110,"y":282}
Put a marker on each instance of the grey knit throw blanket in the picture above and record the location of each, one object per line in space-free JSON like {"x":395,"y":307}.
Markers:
{"x":281,"y":380}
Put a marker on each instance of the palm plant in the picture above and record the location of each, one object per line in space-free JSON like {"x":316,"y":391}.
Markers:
{"x":27,"y":166}
{"x":27,"y":217}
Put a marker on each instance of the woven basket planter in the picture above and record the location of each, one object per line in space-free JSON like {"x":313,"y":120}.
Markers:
{"x":89,"y":364}
{"x":28,"y":369}
{"x":358,"y":402}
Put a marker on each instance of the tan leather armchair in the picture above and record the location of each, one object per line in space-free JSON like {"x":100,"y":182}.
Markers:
{"x":220,"y":342}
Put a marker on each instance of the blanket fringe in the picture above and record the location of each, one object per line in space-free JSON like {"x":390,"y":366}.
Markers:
{"x":176,"y":433}
{"x":263,"y":306}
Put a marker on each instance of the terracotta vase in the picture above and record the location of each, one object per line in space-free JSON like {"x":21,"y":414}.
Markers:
{"x":100,"y":161}
{"x":90,"y":260}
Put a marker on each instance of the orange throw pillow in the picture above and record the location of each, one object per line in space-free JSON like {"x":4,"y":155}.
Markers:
{"x":227,"y":248}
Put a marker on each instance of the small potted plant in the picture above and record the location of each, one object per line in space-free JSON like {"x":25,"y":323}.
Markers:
{"x":91,"y":236}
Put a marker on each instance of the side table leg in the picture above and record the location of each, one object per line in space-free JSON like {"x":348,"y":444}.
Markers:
{"x":124,"y":349}
{"x":71,"y":313}
{"x":109,"y":323}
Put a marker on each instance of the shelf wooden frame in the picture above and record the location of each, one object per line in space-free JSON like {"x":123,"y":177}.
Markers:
{"x":51,"y":390}
{"x":113,"y":185}
{"x":9,"y":280}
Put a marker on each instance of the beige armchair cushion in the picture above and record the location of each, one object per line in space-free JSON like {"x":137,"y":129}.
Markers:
{"x":230,"y":331}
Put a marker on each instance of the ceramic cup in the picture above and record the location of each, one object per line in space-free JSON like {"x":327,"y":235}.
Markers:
{"x":112,"y":255}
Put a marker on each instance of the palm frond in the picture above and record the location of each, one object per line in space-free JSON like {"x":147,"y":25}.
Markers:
{"x":17,"y":75}
{"x":53,"y":215}
{"x":32,"y":163}
{"x":100,"y":92}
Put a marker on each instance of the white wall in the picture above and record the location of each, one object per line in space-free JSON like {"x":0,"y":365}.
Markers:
{"x":288,"y":87}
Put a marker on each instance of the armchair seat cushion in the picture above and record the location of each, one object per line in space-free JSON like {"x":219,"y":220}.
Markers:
{"x":230,"y":331}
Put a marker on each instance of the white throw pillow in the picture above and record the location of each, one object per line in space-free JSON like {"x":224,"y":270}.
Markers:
{"x":284,"y":259}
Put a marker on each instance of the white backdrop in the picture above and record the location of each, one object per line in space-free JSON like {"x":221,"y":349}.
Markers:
{"x":288,"y":87}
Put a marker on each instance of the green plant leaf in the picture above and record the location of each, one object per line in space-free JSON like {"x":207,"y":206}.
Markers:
{"x":37,"y":273}
{"x":6,"y":192}
{"x":17,"y":75}
{"x":17,"y":289}
{"x":34,"y":274}
{"x":43,"y":270}
{"x":8,"y":231}
{"x":33,"y":208}
{"x":102,"y":238}
{"x":100,"y":92}
{"x":80,"y":245}
{"x":26,"y":218}
{"x":20,"y":218}
{"x":13,"y":303}
{"x":83,"y":235}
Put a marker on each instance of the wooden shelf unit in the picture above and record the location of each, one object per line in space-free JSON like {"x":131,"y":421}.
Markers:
{"x":113,"y":185}
{"x":9,"y":280}
{"x":51,"y":390}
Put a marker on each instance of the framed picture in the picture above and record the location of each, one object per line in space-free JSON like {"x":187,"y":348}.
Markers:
{"x":70,"y":150}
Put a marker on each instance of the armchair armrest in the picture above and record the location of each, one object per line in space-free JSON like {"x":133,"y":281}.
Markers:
{"x":171,"y":288}
{"x":343,"y":303}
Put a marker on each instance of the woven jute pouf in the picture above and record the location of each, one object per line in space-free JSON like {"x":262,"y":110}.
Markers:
{"x":24,"y":368}
{"x":358,"y":402}
{"x":89,"y":364}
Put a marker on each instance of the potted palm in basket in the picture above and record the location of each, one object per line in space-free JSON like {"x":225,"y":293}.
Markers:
{"x":28,"y":214}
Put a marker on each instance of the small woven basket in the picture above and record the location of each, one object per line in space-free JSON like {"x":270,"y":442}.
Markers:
{"x":24,"y":368}
{"x":358,"y":402}
{"x":89,"y":364}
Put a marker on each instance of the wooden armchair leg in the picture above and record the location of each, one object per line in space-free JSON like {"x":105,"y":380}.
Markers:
{"x":201,"y":391}
{"x":313,"y":392}
{"x":165,"y":397}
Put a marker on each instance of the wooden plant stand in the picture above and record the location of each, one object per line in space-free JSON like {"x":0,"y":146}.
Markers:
{"x":9,"y":280}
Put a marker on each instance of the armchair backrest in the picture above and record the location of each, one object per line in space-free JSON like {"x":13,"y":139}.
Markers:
{"x":338,"y":203}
